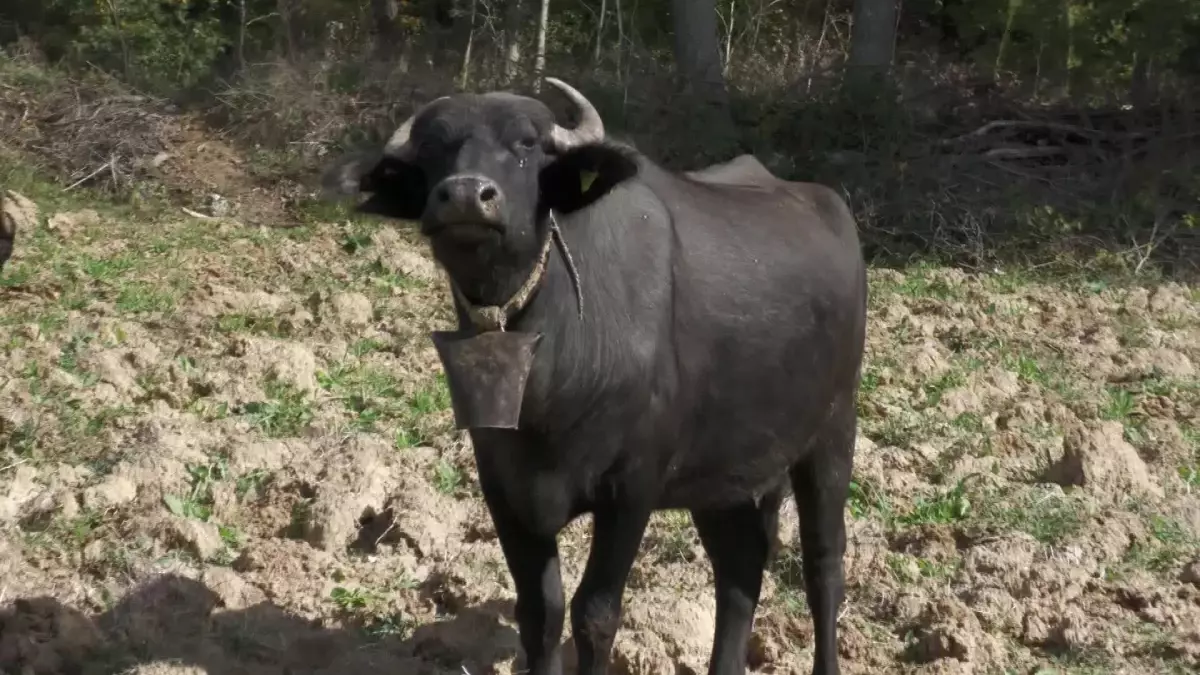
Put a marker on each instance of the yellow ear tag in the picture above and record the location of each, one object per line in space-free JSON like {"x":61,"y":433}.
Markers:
{"x":586,"y":178}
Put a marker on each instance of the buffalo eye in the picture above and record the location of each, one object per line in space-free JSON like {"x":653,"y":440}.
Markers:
{"x":527,"y":143}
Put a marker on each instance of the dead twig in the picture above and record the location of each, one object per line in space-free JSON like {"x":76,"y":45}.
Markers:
{"x":13,"y":465}
{"x":195,"y":214}
{"x":1025,"y":153}
{"x":89,"y":176}
{"x":1036,"y":125}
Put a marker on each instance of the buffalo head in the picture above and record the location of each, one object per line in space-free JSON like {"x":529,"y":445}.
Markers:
{"x":482,"y":172}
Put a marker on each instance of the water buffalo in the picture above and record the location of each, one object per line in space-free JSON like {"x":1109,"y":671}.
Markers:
{"x":689,"y":341}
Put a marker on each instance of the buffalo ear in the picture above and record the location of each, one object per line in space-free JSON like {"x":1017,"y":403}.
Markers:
{"x":397,"y":189}
{"x":582,"y":175}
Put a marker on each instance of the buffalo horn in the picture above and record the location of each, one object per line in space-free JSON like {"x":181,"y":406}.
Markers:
{"x":397,"y":145}
{"x":590,"y":128}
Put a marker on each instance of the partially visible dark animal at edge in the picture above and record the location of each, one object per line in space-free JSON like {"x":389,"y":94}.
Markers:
{"x":8,"y":233}
{"x":712,"y":364}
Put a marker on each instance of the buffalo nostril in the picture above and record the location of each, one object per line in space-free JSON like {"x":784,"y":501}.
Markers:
{"x":487,"y":194}
{"x":443,"y":195}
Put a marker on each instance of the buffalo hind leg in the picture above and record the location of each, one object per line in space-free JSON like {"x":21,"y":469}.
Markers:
{"x":821,"y":483}
{"x":738,"y":540}
{"x":596,"y":608}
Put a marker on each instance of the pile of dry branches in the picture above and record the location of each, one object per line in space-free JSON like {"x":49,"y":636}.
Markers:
{"x":87,"y":134}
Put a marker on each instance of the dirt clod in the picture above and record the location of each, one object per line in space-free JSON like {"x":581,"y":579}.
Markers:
{"x":1191,"y":573}
{"x":350,"y":310}
{"x":114,"y":490}
{"x":1101,"y":460}
{"x":200,"y":538}
{"x":18,"y":215}
{"x":23,"y":487}
{"x":234,"y":592}
{"x":68,"y":223}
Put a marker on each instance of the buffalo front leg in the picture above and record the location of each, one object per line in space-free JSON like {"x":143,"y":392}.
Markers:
{"x":596,"y":608}
{"x":737,"y":540}
{"x":821,"y":484}
{"x":533,"y":563}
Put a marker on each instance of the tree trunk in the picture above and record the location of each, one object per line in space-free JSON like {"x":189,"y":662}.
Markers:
{"x":512,"y":40}
{"x":241,"y":36}
{"x":290,"y":30}
{"x":948,"y":40}
{"x":697,"y":48}
{"x":698,"y":60}
{"x":873,"y":35}
{"x":1139,"y":81}
{"x":599,"y":31}
{"x":1014,"y":6}
{"x":387,"y":35}
{"x":465,"y":77}
{"x":729,"y":40}
{"x":620,"y":41}
{"x":1070,"y":64}
{"x":539,"y":60}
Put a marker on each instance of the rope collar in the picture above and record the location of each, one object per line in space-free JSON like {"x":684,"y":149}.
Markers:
{"x":496,"y":317}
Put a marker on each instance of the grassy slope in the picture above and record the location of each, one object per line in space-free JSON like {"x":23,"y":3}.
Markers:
{"x":230,"y":447}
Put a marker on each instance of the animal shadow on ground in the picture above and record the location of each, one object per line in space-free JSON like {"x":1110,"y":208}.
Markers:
{"x":181,"y":623}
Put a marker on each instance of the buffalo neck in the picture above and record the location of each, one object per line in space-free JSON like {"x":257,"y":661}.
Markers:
{"x":491,"y":302}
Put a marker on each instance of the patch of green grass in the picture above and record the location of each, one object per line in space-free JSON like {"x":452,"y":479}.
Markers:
{"x":1131,"y":331}
{"x":433,"y":398}
{"x":21,"y":440}
{"x":139,"y":297}
{"x":1190,"y":475}
{"x":894,"y":430}
{"x":1050,"y":373}
{"x":366,"y":346}
{"x":61,"y":534}
{"x":1008,"y":280}
{"x":350,"y":599}
{"x":945,"y":507}
{"x":103,"y":418}
{"x":287,"y":412}
{"x":198,"y":501}
{"x":253,"y":481}
{"x":937,"y":388}
{"x":429,"y":400}
{"x":1045,"y":514}
{"x":68,"y":359}
{"x":447,"y":478}
{"x":367,"y":609}
{"x":397,"y":625}
{"x":867,"y":499}
{"x":248,"y":323}
{"x":16,"y":274}
{"x":208,"y":411}
{"x":1119,"y":406}
{"x":1027,"y":368}
{"x":370,"y":395}
{"x":674,"y":538}
{"x":918,"y":282}
{"x":869,"y":381}
{"x":301,"y":517}
{"x":788,"y":570}
{"x":1169,"y":546}
{"x":405,"y":438}
{"x":910,"y":569}
{"x":1189,"y":472}
{"x":385,"y":279}
{"x":108,"y":269}
{"x":969,"y":422}
{"x":324,"y":211}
